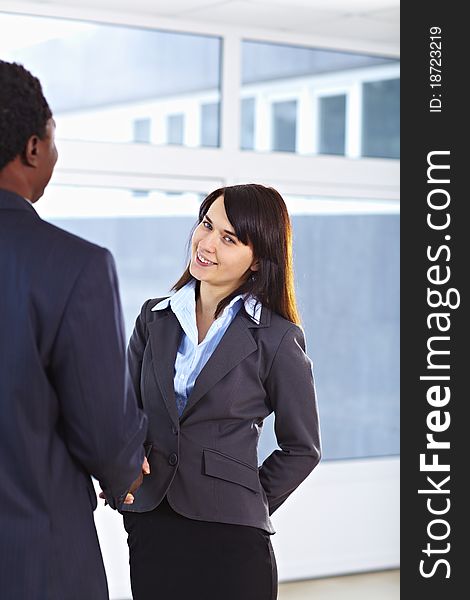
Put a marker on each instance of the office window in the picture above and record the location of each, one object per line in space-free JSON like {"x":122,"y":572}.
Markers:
{"x":273,"y":72}
{"x":175,"y":129}
{"x":146,"y":234}
{"x":284,"y":123}
{"x":346,"y":260}
{"x":381,"y":118}
{"x":101,"y":79}
{"x":210,"y":125}
{"x":292,"y":100}
{"x":142,"y":131}
{"x":332,"y":124}
{"x":248,"y":123}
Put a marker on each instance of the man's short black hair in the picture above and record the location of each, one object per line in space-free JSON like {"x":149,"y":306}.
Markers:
{"x":23,"y":110}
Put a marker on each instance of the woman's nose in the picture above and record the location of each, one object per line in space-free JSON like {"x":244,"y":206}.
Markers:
{"x":208,"y":243}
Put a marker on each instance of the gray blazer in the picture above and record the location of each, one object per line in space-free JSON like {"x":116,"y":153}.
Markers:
{"x":205,"y":462}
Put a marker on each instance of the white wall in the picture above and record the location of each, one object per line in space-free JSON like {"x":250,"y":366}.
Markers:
{"x":342,"y":519}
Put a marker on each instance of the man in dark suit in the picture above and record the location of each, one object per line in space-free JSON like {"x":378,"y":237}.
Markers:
{"x":63,"y":412}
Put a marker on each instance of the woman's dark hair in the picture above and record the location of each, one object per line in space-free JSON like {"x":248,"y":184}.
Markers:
{"x":23,"y":110}
{"x":258,"y":215}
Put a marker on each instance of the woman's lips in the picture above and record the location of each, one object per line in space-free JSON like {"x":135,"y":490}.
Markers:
{"x":202,"y":262}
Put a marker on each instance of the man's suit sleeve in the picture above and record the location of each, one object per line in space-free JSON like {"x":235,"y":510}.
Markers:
{"x":103,"y":428}
{"x":291,"y":393}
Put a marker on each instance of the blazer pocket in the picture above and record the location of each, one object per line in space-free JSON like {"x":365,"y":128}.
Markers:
{"x":230,"y":469}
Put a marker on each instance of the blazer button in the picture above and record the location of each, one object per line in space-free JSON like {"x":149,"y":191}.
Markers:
{"x":173,"y":459}
{"x":174,"y":429}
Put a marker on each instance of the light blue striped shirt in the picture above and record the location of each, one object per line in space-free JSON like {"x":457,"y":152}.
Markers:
{"x":191,"y":356}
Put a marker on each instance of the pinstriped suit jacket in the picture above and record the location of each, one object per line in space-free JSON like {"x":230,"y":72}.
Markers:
{"x":62,"y":410}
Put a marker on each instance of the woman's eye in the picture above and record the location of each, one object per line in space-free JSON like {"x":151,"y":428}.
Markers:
{"x":226,"y":238}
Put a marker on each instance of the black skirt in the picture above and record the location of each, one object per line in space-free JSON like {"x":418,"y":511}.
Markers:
{"x":176,"y":558}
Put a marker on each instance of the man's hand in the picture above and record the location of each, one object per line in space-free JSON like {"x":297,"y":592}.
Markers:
{"x":129,"y":499}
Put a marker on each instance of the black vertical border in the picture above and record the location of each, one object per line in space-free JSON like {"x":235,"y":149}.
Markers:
{"x":422,"y":132}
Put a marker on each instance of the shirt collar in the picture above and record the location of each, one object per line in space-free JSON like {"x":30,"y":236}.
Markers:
{"x":184,"y":298}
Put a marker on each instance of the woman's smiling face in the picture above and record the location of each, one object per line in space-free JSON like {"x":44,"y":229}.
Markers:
{"x":217,"y":256}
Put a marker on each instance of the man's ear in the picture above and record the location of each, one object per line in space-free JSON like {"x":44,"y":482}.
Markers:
{"x":31,"y":152}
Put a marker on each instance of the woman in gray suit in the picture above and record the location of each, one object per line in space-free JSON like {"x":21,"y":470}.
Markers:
{"x":208,"y":365}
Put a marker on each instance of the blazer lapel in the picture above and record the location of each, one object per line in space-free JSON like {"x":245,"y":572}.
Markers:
{"x":165,"y":334}
{"x":236,"y":344}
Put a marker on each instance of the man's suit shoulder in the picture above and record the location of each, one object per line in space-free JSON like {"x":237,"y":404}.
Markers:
{"x":69,"y":242}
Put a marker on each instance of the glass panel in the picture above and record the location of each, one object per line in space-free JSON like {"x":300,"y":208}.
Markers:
{"x":248,"y":123}
{"x":210,"y":124}
{"x":347,"y":281}
{"x":320,"y":81}
{"x":142,"y":131}
{"x":332,"y":124}
{"x":146,"y":231}
{"x":284,"y":123}
{"x":381,"y":119}
{"x":102,"y":79}
{"x":175,"y":129}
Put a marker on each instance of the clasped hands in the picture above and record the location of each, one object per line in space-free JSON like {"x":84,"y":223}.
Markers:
{"x":129,"y":499}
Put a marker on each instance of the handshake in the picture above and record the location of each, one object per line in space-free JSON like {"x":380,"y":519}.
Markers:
{"x":129,"y":499}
